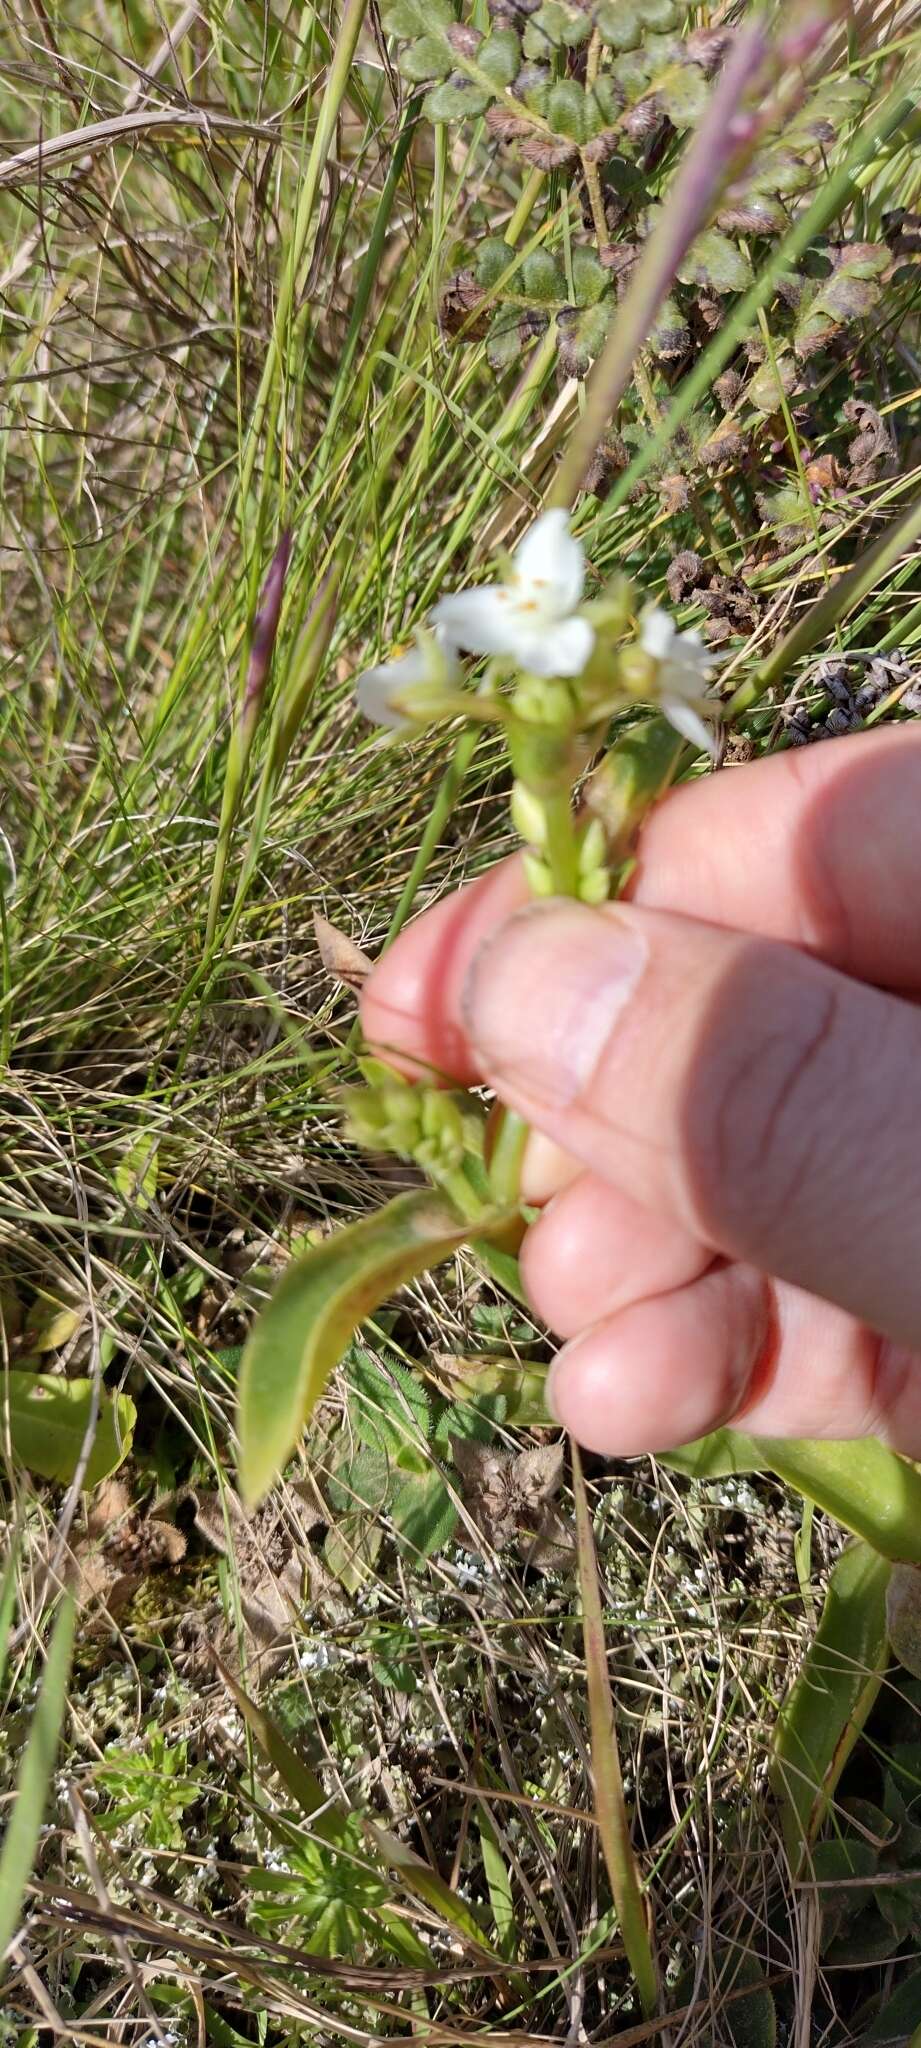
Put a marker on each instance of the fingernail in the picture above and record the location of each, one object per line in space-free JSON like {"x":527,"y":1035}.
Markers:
{"x":545,"y":993}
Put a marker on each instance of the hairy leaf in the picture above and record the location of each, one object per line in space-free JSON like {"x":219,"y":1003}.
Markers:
{"x":316,"y":1308}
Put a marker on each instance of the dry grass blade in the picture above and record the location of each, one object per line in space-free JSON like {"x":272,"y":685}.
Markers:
{"x":610,"y":1808}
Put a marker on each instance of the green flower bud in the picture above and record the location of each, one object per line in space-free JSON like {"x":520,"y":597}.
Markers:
{"x":637,"y":673}
{"x":538,"y":875}
{"x":528,"y":815}
{"x":596,"y":887}
{"x":593,"y":848}
{"x":539,"y":701}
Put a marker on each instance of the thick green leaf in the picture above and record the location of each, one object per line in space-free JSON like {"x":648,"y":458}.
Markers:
{"x":388,"y":1405}
{"x":428,"y":57}
{"x":827,"y":1705}
{"x":450,"y":102}
{"x":26,"y":1811}
{"x":903,"y":1608}
{"x":900,"y":2017}
{"x":713,"y":1457}
{"x":500,"y":56}
{"x":48,"y":1419}
{"x":316,"y":1308}
{"x":498,"y":1885}
{"x":871,"y":1490}
{"x":423,"y":1513}
{"x":749,"y":2022}
{"x":582,"y":335}
{"x":542,"y":278}
{"x":715,"y":261}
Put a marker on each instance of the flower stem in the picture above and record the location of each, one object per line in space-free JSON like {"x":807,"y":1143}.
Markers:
{"x":561,"y":850}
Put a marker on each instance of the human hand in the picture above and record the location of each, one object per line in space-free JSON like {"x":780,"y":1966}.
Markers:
{"x":724,"y":1078}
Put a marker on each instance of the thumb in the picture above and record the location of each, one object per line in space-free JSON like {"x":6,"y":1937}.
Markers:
{"x":745,"y":1090}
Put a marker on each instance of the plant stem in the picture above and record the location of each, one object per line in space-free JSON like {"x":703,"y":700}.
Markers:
{"x":562,"y":848}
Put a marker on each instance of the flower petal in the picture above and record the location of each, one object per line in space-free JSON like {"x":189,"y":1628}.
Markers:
{"x":551,"y":558}
{"x":689,"y":723}
{"x":375,"y":691}
{"x":483,"y":620}
{"x":558,"y":650}
{"x":657,"y":633}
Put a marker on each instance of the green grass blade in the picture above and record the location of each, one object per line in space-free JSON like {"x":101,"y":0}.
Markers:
{"x":23,"y":1827}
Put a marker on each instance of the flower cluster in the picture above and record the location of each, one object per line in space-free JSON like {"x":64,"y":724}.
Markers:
{"x":535,"y":622}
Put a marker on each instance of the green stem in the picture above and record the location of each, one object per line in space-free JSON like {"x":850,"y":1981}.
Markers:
{"x":511,"y":1137}
{"x":524,"y":208}
{"x":562,"y":849}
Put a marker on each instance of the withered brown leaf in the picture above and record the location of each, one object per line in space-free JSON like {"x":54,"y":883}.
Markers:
{"x":340,"y":955}
{"x":509,"y":1495}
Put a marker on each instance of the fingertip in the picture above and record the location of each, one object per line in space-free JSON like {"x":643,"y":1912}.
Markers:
{"x":411,"y":1007}
{"x":595,"y":1250}
{"x":664,"y":1371}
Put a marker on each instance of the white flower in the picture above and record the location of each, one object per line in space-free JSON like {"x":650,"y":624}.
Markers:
{"x":684,"y":667}
{"x":533,"y":615}
{"x":385,"y":693}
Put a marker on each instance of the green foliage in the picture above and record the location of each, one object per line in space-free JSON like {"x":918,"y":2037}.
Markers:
{"x":152,"y":1786}
{"x":24,"y":1819}
{"x":624,"y":27}
{"x":327,"y":1897}
{"x":48,"y":1421}
{"x":499,"y":57}
{"x":323,"y":1297}
{"x":715,"y":261}
{"x":429,"y":57}
{"x":388,"y":1404}
{"x":557,"y":24}
{"x":827,"y":1706}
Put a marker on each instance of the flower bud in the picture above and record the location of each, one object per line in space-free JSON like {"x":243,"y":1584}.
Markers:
{"x":540,"y":701}
{"x":596,"y":887}
{"x":537,"y":875}
{"x":528,"y":815}
{"x":592,"y":848}
{"x":637,"y":673}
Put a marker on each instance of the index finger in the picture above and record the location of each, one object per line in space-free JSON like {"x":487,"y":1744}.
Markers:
{"x":819,"y":847}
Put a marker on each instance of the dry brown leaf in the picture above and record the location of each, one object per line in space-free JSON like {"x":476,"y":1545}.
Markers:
{"x":509,"y":1495}
{"x":340,"y":955}
{"x":276,"y":1575}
